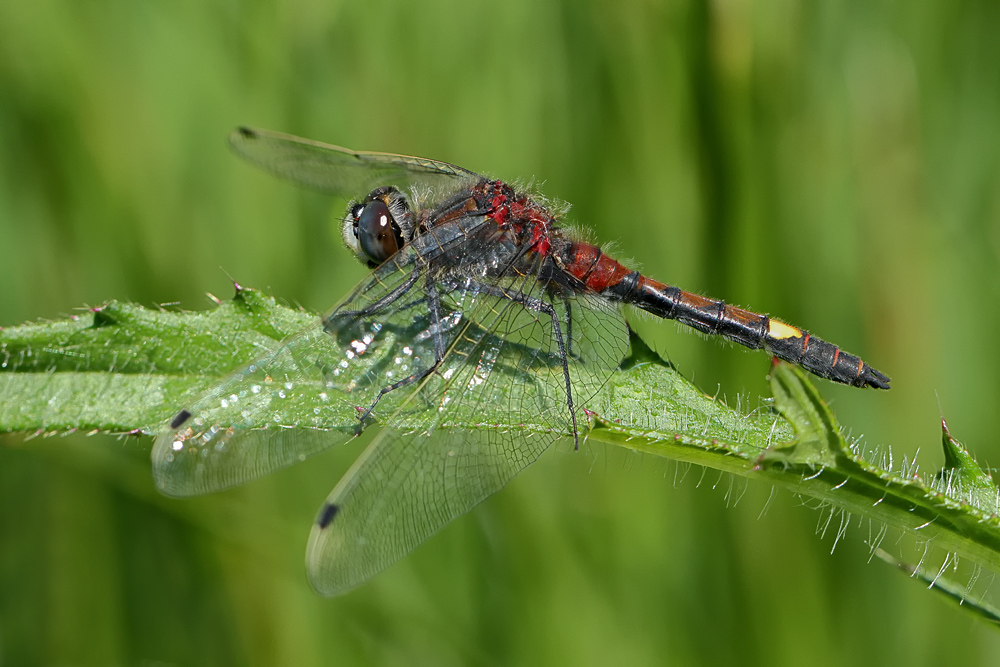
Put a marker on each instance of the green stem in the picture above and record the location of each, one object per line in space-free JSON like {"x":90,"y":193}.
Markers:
{"x":125,"y":368}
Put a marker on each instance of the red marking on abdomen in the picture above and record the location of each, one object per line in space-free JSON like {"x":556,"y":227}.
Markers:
{"x":594,"y":268}
{"x":607,"y":273}
{"x":648,"y":284}
{"x":584,"y":256}
{"x":689,"y":299}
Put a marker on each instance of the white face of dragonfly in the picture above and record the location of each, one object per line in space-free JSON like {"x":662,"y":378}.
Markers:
{"x":376,"y":228}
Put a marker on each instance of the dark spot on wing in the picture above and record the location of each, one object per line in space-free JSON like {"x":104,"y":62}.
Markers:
{"x":247,"y":132}
{"x":326,"y":514}
{"x":179,"y":420}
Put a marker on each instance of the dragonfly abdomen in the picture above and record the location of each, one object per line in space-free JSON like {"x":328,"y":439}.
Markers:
{"x":745,"y":327}
{"x":823,"y":358}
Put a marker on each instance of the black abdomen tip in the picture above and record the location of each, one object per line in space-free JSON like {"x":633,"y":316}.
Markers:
{"x":327,"y":514}
{"x":870,"y":377}
{"x":179,"y":420}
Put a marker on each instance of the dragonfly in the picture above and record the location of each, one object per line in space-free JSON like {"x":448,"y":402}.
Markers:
{"x":478,"y":304}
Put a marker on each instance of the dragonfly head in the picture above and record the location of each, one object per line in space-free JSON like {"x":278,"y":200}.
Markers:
{"x":378,"y":226}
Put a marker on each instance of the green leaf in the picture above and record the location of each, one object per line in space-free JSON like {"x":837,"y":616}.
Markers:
{"x":955,"y":594}
{"x":962,"y":475}
{"x":125,"y":368}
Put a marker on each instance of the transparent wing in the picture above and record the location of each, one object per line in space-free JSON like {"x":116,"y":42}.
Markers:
{"x":493,"y":406}
{"x":341,"y":171}
{"x":480,"y":391}
{"x":302,"y":397}
{"x":243,"y":428}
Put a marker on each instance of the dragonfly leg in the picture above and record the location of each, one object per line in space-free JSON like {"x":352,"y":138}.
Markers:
{"x":540,"y":306}
{"x":332,"y":319}
{"x":434,"y":306}
{"x":569,"y":325}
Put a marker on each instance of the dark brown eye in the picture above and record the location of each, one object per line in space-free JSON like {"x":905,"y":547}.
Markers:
{"x":355,"y":214}
{"x":378,"y":235}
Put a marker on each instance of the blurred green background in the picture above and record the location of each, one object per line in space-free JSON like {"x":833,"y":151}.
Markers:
{"x":837,"y":164}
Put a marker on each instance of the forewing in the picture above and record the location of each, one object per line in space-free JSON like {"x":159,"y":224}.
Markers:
{"x":243,"y":428}
{"x":341,"y":171}
{"x":495,"y":404}
{"x":452,"y":437}
{"x":304,"y":396}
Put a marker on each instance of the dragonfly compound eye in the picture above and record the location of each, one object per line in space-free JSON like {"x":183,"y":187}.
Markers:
{"x":356,"y":217}
{"x":378,"y":234}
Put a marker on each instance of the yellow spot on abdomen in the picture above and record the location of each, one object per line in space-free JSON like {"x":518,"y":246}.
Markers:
{"x":780,"y":330}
